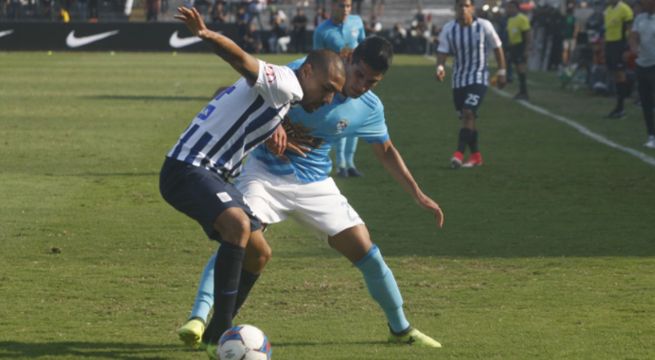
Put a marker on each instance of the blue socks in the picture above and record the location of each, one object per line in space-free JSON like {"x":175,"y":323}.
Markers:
{"x":383,"y":288}
{"x":205,"y":295}
{"x":345,"y":151}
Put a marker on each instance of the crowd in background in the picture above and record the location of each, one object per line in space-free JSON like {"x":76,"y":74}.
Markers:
{"x":567,"y":36}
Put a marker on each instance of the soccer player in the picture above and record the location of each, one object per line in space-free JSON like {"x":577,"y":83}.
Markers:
{"x":300,"y":187}
{"x":518,"y":34}
{"x":642,"y":43}
{"x":618,"y":17}
{"x":468,"y":39}
{"x":341,"y":33}
{"x":194,"y":177}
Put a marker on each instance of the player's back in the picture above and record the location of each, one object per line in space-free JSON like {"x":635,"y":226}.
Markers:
{"x":362,"y":117}
{"x":238,"y":119}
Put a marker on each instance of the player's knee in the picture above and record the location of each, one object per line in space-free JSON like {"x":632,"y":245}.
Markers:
{"x":234,"y":227}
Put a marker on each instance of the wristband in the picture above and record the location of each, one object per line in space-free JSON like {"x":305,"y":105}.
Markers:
{"x":502,"y":72}
{"x":440,"y":68}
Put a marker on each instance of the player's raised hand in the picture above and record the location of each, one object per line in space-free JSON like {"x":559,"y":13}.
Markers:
{"x":431,"y":205}
{"x":440,"y":73}
{"x":193,"y":20}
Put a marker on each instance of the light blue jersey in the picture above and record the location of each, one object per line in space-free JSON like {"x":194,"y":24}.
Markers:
{"x":329,"y":35}
{"x":362,"y":117}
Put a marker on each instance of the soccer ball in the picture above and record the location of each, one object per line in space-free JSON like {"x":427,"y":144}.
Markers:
{"x":244,"y":342}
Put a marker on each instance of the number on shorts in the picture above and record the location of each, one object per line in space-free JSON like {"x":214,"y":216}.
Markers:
{"x":472,"y":99}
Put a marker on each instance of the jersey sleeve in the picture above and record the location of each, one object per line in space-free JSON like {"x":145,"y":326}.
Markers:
{"x":374,"y":128}
{"x":493,"y":40}
{"x":444,"y":45}
{"x":628,"y":15}
{"x":278,"y":84}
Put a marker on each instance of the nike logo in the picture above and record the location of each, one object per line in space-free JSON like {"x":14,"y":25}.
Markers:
{"x":6,"y":32}
{"x":177,"y":42}
{"x":74,"y":41}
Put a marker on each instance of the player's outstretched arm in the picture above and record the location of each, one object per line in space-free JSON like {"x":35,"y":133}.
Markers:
{"x":389,"y":156}
{"x":244,"y":63}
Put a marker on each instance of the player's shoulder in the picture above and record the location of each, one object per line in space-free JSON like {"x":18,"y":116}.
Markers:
{"x":484,"y":22}
{"x":371,"y":101}
{"x":326,"y":24}
{"x":355,"y":19}
{"x":486,"y":25}
{"x":449,"y":25}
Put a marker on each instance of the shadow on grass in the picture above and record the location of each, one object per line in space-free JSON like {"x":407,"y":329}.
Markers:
{"x":147,"y":97}
{"x":326,"y":343}
{"x":90,"y":350}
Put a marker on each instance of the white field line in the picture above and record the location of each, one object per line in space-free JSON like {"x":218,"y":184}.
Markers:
{"x":581,"y":129}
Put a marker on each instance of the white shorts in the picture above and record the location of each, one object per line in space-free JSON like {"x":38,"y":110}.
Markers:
{"x":273,"y":199}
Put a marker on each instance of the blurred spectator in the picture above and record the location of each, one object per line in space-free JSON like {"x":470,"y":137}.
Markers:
{"x":82,"y":9}
{"x":398,"y":38}
{"x":218,"y":14}
{"x":618,"y":17}
{"x":373,"y":26}
{"x":377,"y":8}
{"x":357,"y":7}
{"x":518,"y":45}
{"x":13,"y":9}
{"x":93,"y":11}
{"x":320,"y":16}
{"x":152,"y":9}
{"x":642,"y":44}
{"x":299,"y":31}
{"x":251,"y":41}
{"x":278,"y":39}
{"x":569,"y":33}
{"x":255,"y":9}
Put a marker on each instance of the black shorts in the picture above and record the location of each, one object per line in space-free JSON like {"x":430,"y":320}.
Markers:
{"x":517,"y":54}
{"x":614,"y":55}
{"x":469,"y":97}
{"x":201,"y":194}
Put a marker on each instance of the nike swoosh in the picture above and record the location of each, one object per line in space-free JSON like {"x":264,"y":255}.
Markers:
{"x":177,"y":42}
{"x":73,"y":41}
{"x":6,"y":32}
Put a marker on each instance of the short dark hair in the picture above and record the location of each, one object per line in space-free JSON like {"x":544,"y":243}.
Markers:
{"x":472,"y":2}
{"x":376,"y":52}
{"x":513,"y":2}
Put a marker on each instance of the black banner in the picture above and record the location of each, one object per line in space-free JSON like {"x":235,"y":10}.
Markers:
{"x":104,"y":36}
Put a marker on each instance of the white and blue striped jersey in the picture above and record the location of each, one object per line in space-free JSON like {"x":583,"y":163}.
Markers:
{"x":335,"y":37}
{"x":361,"y":117}
{"x":237,"y":120}
{"x":469,"y":45}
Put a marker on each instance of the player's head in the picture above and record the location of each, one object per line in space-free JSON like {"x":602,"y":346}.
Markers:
{"x":367,"y":66}
{"x":512,"y":7}
{"x":321,"y":76}
{"x":340,"y":10}
{"x":464,"y":11}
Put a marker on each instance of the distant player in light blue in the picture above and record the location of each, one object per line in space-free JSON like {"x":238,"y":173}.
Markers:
{"x":341,"y":33}
{"x":300,"y":187}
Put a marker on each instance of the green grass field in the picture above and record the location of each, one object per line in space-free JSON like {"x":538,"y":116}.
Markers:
{"x":547,"y":251}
